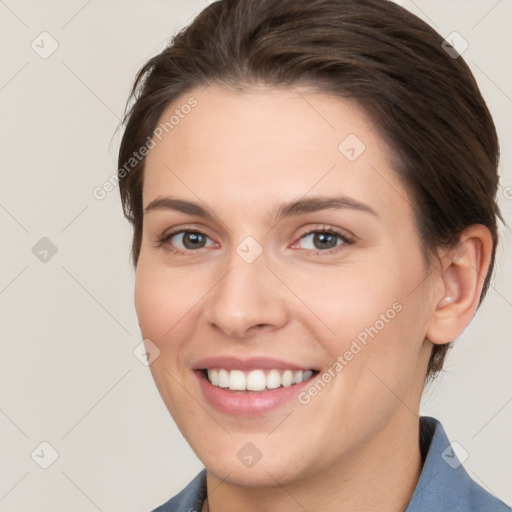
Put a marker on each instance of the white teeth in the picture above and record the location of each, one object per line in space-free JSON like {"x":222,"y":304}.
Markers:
{"x":223,"y":379}
{"x":237,"y":380}
{"x":307,"y":375}
{"x":213,"y":375}
{"x":287,"y":378}
{"x":256,"y":380}
{"x":273,"y":379}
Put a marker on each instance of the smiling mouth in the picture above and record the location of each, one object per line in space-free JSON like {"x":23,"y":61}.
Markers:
{"x":256,"y":380}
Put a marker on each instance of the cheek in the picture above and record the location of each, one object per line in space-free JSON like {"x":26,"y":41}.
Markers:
{"x":163,"y":300}
{"x":346,"y":300}
{"x":369,"y":319}
{"x":164,"y":306}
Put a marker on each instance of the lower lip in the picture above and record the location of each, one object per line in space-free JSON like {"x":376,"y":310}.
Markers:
{"x":249,"y":403}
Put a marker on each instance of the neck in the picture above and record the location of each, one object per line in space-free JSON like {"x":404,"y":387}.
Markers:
{"x":381,"y":476}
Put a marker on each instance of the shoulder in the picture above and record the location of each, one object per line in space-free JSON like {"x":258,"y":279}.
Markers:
{"x":190,"y":499}
{"x":444,"y":484}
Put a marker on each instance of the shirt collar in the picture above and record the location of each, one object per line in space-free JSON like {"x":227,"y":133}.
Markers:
{"x":443,"y":484}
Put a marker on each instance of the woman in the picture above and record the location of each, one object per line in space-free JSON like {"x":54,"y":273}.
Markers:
{"x":312,"y":190}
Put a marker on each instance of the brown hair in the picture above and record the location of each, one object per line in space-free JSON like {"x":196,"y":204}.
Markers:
{"x":424,"y":99}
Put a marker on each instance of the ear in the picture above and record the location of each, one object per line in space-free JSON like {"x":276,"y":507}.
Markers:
{"x":461,"y":278}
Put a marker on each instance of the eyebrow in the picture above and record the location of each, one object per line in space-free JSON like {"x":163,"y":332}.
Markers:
{"x":298,"y":207}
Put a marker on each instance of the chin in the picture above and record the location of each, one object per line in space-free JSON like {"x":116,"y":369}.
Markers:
{"x":266,"y":471}
{"x":263,"y":475}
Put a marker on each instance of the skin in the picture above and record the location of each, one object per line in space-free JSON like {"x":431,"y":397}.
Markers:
{"x":354,"y":446}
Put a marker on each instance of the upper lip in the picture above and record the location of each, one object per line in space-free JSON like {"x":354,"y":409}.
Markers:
{"x":247,"y":364}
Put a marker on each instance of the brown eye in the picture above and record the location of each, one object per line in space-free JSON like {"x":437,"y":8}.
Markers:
{"x":183,"y":241}
{"x":323,"y":240}
{"x":192,"y":240}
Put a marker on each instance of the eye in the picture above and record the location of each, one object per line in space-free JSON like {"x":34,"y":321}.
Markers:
{"x":186,"y":241}
{"x":323,"y":240}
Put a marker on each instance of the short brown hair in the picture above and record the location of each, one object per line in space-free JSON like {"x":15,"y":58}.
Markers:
{"x":424,"y":100}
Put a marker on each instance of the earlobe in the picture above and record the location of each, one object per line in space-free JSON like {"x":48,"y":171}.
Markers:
{"x":462,"y":276}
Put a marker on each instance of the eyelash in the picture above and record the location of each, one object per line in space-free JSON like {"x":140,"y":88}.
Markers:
{"x":346,"y":240}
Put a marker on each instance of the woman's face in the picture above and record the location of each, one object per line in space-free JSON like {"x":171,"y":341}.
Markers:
{"x":294,"y":248}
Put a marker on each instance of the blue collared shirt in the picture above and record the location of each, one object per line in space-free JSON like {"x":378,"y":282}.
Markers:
{"x":444,"y":484}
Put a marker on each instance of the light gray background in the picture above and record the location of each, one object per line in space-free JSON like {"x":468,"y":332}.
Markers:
{"x":68,"y":373}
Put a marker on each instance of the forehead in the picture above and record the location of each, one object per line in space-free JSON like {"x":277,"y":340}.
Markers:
{"x":268,"y":146}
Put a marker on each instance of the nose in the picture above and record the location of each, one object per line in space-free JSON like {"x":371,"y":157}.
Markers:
{"x":248,"y":299}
